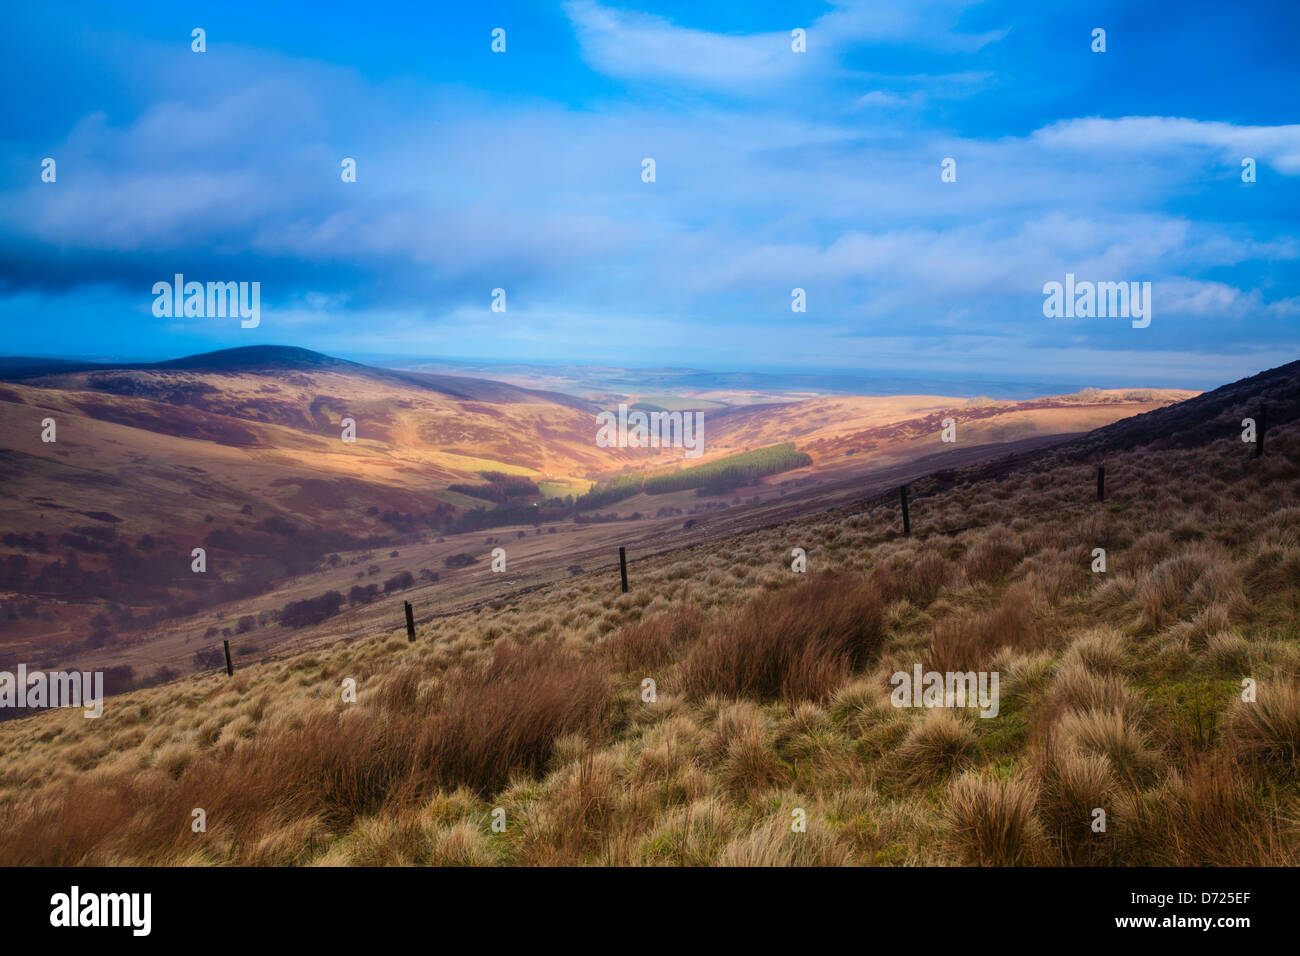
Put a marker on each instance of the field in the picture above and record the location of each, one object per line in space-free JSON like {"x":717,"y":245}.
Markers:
{"x":770,"y":737}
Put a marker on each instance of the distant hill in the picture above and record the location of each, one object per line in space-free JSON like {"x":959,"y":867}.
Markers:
{"x":1197,"y":420}
{"x":241,"y":452}
{"x":273,"y":359}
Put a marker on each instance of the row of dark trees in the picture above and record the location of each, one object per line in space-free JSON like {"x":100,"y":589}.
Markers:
{"x":711,"y":478}
{"x":499,"y":487}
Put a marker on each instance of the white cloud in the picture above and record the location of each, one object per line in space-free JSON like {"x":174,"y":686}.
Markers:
{"x":635,"y":45}
{"x":640,"y":46}
{"x":1279,"y":146}
{"x":547,"y":202}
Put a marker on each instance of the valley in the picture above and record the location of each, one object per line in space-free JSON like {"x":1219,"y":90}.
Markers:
{"x":240,"y":454}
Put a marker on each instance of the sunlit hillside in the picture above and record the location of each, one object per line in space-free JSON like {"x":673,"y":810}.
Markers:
{"x":1121,"y":691}
{"x":283,"y":464}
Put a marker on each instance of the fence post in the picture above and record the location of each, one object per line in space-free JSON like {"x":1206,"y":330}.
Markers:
{"x":1259,"y":429}
{"x":1101,"y":482}
{"x":230,"y":668}
{"x":410,"y":622}
{"x":907,"y":518}
{"x":622,"y":566}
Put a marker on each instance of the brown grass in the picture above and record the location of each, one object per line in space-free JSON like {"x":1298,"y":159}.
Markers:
{"x":657,"y":641}
{"x":1163,"y":591}
{"x":970,"y":641}
{"x":493,"y":719}
{"x":992,"y":821}
{"x":934,"y":748}
{"x":994,"y":556}
{"x":1113,"y":735}
{"x":1268,"y":729}
{"x":799,"y":643}
{"x":1209,"y":815}
{"x":1118,"y":691}
{"x":1072,"y":786}
{"x":505,"y":716}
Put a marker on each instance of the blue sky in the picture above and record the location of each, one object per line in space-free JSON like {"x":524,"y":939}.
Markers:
{"x":774,"y":170}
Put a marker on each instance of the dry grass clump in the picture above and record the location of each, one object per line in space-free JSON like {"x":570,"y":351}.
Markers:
{"x":1229,"y":651}
{"x":918,"y":578}
{"x":1022,"y":676}
{"x":734,"y":720}
{"x":1149,"y":550}
{"x":1113,"y":594}
{"x":693,"y":835}
{"x":1268,"y":729}
{"x":1207,"y":622}
{"x":580,"y":817}
{"x":860,"y":706}
{"x":992,"y":822}
{"x":1272,"y":568}
{"x":800,"y":643}
{"x":1110,"y":734}
{"x":655,"y":642}
{"x":751,"y":764}
{"x":505,"y":716}
{"x":464,"y":843}
{"x":1077,"y":687}
{"x":1072,"y":786}
{"x":994,"y":556}
{"x":1163,"y":591}
{"x":936,"y":746}
{"x":775,"y":842}
{"x":741,"y":749}
{"x":1101,"y":650}
{"x":970,"y":641}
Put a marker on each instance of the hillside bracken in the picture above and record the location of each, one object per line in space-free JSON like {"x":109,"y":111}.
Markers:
{"x":1120,"y":692}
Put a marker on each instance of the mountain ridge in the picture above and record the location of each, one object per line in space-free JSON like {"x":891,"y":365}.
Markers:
{"x":268,"y":359}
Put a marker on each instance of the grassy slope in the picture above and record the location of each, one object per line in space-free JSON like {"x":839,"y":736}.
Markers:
{"x":1119,"y":691}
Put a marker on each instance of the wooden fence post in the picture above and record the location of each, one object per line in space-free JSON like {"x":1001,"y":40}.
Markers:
{"x":230,"y":668}
{"x":410,"y":622}
{"x":907,"y":518}
{"x":622,"y":566}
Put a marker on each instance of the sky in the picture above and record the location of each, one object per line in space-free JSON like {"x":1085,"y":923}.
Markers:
{"x":774,"y":170}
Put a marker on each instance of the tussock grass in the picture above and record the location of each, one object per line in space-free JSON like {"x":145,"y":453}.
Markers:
{"x":774,"y":842}
{"x":1073,"y":785}
{"x":1110,"y":734}
{"x":992,"y":821}
{"x":1119,"y":691}
{"x":655,"y":642}
{"x":505,"y":716}
{"x":1101,"y":650}
{"x":1268,"y":728}
{"x":1164,"y":590}
{"x":800,"y":643}
{"x":969,"y":641}
{"x":938,"y":745}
